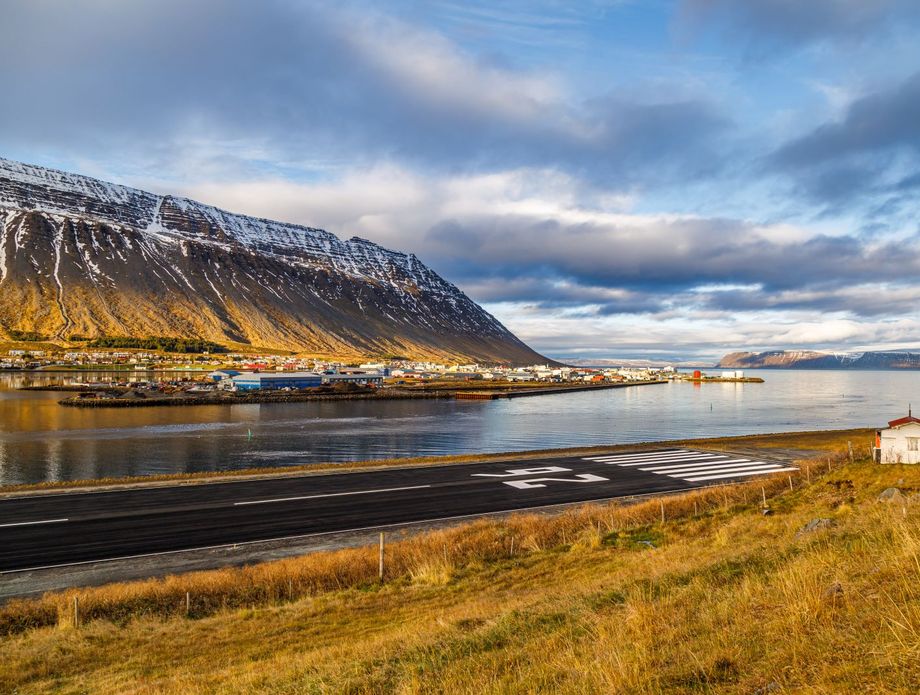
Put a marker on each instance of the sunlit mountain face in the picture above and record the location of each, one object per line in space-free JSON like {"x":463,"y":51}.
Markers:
{"x":81,"y":257}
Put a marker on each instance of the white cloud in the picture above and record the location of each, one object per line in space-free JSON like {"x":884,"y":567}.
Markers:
{"x":568,"y":270}
{"x":433,"y":69}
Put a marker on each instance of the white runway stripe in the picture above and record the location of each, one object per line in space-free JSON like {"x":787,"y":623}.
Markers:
{"x":676,"y":457}
{"x":34,"y":523}
{"x":714,"y":471}
{"x":691,"y":465}
{"x":639,"y":454}
{"x":680,"y":467}
{"x":688,"y":460}
{"x":683,"y":454}
{"x":738,"y":475}
{"x":329,"y":494}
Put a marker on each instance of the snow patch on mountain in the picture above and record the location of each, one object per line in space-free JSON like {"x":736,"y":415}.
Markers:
{"x":165,"y":219}
{"x":85,"y":245}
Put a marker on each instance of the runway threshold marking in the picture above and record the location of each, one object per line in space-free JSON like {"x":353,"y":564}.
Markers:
{"x":638,"y":457}
{"x":34,"y":523}
{"x":659,"y":459}
{"x":692,"y":466}
{"x":736,"y":475}
{"x":330,"y":494}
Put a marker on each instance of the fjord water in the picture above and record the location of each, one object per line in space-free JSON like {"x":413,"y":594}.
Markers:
{"x":42,"y":441}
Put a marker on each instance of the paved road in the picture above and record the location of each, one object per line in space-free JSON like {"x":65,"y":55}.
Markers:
{"x":52,"y":530}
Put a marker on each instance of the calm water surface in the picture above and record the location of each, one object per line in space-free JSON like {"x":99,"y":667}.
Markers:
{"x":40,"y":440}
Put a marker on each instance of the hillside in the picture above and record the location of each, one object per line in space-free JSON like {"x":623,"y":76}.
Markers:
{"x":81,"y":257}
{"x":808,"y":359}
{"x":717,"y":598}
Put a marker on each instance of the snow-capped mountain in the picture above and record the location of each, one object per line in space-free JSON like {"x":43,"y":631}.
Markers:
{"x":810,"y":359}
{"x":84,"y":257}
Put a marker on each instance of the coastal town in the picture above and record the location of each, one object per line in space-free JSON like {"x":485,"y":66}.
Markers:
{"x":112,"y":378}
{"x":225,"y":370}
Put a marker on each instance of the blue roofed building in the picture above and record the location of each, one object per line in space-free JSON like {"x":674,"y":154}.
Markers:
{"x":222,"y":374}
{"x":265,"y":381}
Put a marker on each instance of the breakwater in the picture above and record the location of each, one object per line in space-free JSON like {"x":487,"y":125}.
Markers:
{"x":519,"y":393}
{"x":247,"y":399}
{"x":382,"y":395}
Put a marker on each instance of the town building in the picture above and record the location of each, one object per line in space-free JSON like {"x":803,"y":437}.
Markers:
{"x":265,"y":381}
{"x":222,"y":374}
{"x":360,"y":378}
{"x":900,"y":442}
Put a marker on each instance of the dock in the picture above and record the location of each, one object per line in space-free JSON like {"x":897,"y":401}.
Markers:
{"x":518,"y":393}
{"x":725,"y":380}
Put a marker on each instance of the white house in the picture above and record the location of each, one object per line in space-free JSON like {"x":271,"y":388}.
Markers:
{"x":900,"y":443}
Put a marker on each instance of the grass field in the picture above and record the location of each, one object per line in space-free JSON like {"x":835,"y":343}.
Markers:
{"x":716,"y":598}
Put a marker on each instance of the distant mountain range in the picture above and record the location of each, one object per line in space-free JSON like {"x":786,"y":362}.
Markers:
{"x":807,"y":359}
{"x":84,"y":258}
{"x":634,"y":363}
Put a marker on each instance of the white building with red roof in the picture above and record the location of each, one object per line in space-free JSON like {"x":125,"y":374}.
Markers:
{"x":900,"y":443}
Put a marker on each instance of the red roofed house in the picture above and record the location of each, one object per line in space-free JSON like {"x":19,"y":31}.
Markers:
{"x":900,"y":443}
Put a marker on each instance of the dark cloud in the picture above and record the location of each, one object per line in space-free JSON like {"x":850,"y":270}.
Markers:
{"x":664,"y":255}
{"x":542,"y":290}
{"x":868,"y":158}
{"x":878,"y":123}
{"x":768,"y":26}
{"x":868,"y":301}
{"x":656,"y":266}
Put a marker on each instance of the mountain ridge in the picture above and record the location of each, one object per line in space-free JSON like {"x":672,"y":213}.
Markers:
{"x":813,"y":359}
{"x":81,"y":256}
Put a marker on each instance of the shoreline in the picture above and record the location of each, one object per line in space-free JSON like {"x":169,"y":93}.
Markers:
{"x":808,"y":440}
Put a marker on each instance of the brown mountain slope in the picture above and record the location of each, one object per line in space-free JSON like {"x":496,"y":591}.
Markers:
{"x":82,"y":257}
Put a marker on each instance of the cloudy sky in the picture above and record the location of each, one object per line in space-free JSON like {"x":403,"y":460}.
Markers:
{"x":622,"y":178}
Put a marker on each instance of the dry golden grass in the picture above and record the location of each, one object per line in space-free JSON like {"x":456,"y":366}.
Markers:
{"x":429,"y":557}
{"x":599,"y":599}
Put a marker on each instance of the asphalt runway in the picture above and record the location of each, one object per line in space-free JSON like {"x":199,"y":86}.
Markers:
{"x":40,"y":531}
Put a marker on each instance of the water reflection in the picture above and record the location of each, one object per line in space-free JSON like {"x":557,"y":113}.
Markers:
{"x":40,"y":440}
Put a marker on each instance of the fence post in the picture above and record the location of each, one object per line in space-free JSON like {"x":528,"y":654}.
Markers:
{"x":790,"y":483}
{"x":76,"y":612}
{"x":512,"y":546}
{"x":850,"y":447}
{"x":381,"y":556}
{"x":188,"y":603}
{"x":661,"y":502}
{"x":808,"y":474}
{"x":763,"y":493}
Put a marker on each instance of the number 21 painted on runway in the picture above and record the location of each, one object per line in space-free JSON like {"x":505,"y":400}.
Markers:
{"x":541,"y":482}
